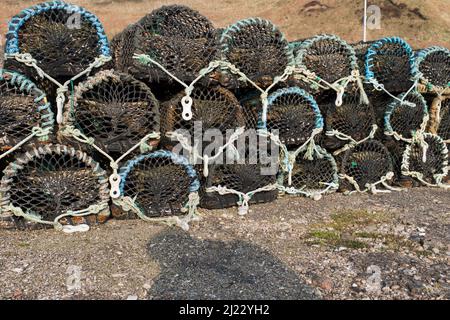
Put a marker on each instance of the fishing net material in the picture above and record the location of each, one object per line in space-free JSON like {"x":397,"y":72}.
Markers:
{"x":115,"y":110}
{"x":294,"y":114}
{"x":248,"y":180}
{"x":348,"y":124}
{"x":426,"y":160}
{"x":328,"y":57}
{"x":181,"y":39}
{"x":433,"y":65}
{"x":54,"y":185}
{"x":390,"y":63}
{"x":62,"y":38}
{"x":158,"y":187}
{"x":361,"y":49}
{"x":403,"y":120}
{"x":215,"y":111}
{"x":366,"y":165}
{"x":257,"y":48}
{"x":24,"y":111}
{"x":312,"y":175}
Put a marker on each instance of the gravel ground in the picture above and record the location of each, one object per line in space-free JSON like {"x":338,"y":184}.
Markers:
{"x":390,"y":246}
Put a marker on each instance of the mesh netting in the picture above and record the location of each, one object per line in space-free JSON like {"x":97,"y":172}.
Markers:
{"x":313,"y":176}
{"x":294,"y":114}
{"x":251,"y":107}
{"x":257,"y":48}
{"x":360,"y":52}
{"x":22,"y":107}
{"x":159,"y":184}
{"x":426,"y":160}
{"x":444,"y":123}
{"x":64,"y":39}
{"x":49,"y":181}
{"x":212,"y":108}
{"x":403,"y":120}
{"x":390,"y":62}
{"x":179,"y":38}
{"x":114,"y":109}
{"x":351,"y":122}
{"x":434,"y":65}
{"x":229,"y":184}
{"x":367,"y":163}
{"x":328,"y":56}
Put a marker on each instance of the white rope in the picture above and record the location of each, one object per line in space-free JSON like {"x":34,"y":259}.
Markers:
{"x":35,"y":132}
{"x":34,"y":217}
{"x":129,"y":204}
{"x":114,"y":178}
{"x":244,"y":198}
{"x":29,"y":61}
{"x":353,"y":143}
{"x":195,"y":155}
{"x":380,"y":87}
{"x":370,"y":187}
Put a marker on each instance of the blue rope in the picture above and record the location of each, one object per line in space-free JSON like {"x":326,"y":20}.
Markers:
{"x":27,"y":86}
{"x":374,"y":48}
{"x":176,"y":159}
{"x":14,"y":25}
{"x":291,"y":90}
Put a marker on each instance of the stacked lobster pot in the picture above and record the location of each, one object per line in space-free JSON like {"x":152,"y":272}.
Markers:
{"x":179,"y":115}
{"x":44,"y":182}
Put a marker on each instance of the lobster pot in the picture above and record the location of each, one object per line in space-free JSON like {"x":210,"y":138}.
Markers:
{"x":62,"y":38}
{"x":293,"y":115}
{"x":24,"y":111}
{"x":54,"y":185}
{"x":258,"y":49}
{"x":113,"y":109}
{"x":426,"y":160}
{"x":440,"y":118}
{"x":181,"y":39}
{"x":250,"y":179}
{"x":403,"y":120}
{"x":351,"y":122}
{"x":215,"y":111}
{"x":157,"y":185}
{"x":390,"y":62}
{"x":328,"y":57}
{"x":251,"y":108}
{"x":366,"y":165}
{"x":434,"y":66}
{"x":311,"y":175}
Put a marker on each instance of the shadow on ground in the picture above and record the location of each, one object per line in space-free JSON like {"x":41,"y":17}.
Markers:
{"x":206,"y":269}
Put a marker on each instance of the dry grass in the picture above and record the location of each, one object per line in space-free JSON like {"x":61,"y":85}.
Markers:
{"x":341,"y":17}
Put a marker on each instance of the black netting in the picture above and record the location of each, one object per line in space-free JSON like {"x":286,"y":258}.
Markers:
{"x":361,"y":51}
{"x":158,"y":186}
{"x":436,"y":68}
{"x":213,"y":108}
{"x":367,"y":163}
{"x":257,"y":48}
{"x":396,"y":149}
{"x":352,"y":118}
{"x":444,"y":123}
{"x":294,"y":116}
{"x":328,"y":57}
{"x":252,"y":171}
{"x":392,"y":67}
{"x":18,"y":112}
{"x":60,"y":49}
{"x":435,"y":158}
{"x":314,"y":174}
{"x":116,"y":110}
{"x":251,"y":107}
{"x":179,"y":38}
{"x":406,"y":119}
{"x":54,"y":182}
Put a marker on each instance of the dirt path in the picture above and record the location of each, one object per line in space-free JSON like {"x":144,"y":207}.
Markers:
{"x":380,"y":247}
